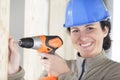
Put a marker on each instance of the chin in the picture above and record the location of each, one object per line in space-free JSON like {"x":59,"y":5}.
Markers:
{"x":87,"y":54}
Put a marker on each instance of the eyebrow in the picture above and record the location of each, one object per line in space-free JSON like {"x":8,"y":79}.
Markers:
{"x":74,"y":28}
{"x":89,"y":25}
{"x":84,"y":26}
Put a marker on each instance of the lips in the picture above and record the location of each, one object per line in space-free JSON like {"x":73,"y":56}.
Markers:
{"x":86,"y":44}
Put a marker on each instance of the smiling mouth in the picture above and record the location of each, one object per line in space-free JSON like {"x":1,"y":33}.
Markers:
{"x":86,"y":44}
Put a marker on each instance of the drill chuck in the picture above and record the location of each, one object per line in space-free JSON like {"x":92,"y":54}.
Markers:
{"x":33,"y":42}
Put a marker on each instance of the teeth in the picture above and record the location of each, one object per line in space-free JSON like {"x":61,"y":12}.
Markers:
{"x":85,"y":45}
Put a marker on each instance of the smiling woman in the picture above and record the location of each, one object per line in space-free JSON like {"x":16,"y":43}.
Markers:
{"x":89,"y":27}
{"x":86,"y":40}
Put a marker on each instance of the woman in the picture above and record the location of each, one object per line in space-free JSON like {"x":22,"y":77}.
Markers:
{"x":89,"y":27}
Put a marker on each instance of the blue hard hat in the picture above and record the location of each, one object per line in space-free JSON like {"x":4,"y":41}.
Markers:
{"x":81,"y":12}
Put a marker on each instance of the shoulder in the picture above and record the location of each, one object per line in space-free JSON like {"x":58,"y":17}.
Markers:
{"x":114,"y":64}
{"x":113,"y":70}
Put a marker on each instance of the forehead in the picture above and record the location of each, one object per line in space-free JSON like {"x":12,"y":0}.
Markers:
{"x":87,"y":25}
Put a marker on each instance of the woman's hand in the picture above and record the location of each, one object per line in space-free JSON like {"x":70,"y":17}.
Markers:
{"x":54,"y":64}
{"x":14,"y":57}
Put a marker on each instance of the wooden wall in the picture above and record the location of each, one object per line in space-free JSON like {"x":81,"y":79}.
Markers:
{"x":40,"y":17}
{"x":44,"y":17}
{"x":4,"y":27}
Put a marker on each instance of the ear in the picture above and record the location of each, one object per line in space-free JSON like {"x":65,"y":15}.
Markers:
{"x":106,"y":30}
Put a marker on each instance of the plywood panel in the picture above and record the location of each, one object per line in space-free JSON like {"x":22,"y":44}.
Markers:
{"x":4,"y":27}
{"x":36,"y":23}
{"x":57,"y":16}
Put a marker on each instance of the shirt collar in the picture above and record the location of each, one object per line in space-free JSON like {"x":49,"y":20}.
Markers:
{"x":92,"y":62}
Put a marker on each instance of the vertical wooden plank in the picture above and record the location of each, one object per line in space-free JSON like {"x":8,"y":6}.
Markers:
{"x":3,"y":52}
{"x":57,"y":17}
{"x":4,"y":27}
{"x":36,"y":23}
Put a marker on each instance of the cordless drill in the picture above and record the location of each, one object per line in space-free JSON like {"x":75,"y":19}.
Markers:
{"x":43,"y":44}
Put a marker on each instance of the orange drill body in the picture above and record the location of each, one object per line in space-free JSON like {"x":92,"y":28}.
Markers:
{"x":49,"y":44}
{"x":43,"y":44}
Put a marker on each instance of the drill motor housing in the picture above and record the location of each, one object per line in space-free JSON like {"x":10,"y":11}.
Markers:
{"x":42,"y":43}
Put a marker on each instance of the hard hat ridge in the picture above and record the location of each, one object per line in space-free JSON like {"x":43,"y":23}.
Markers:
{"x":81,"y":12}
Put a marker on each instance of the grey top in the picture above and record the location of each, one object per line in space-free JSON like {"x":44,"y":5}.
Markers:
{"x":17,"y":76}
{"x":96,"y":68}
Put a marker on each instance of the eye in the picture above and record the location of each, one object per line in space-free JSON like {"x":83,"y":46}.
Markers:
{"x":74,"y":31}
{"x":90,"y":28}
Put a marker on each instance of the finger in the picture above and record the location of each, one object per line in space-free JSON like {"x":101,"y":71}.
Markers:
{"x":46,"y":64}
{"x":43,"y":61}
{"x":44,"y":55}
{"x":9,"y":48}
{"x":13,"y":46}
{"x":57,"y":55}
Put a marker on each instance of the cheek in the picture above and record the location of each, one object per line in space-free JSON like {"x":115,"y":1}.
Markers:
{"x":74,"y":38}
{"x":99,"y":40}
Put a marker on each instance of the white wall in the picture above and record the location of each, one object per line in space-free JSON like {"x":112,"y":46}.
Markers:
{"x":113,"y":7}
{"x":116,"y":31}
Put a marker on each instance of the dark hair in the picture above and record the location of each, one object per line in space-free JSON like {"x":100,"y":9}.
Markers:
{"x":107,"y":39}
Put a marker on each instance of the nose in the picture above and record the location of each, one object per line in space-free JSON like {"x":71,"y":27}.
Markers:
{"x":82,"y":36}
